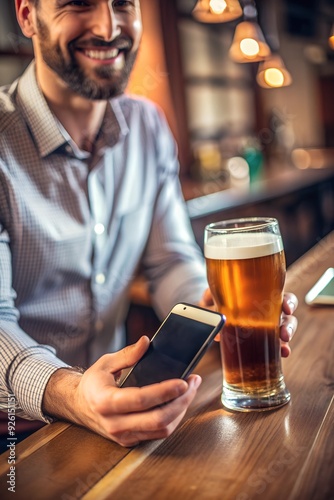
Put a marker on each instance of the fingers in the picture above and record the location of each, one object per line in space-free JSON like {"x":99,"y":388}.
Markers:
{"x":157,"y":423}
{"x":218,"y":337}
{"x":135,"y":399}
{"x":134,"y":437}
{"x":207,"y":299}
{"x":285,"y":350}
{"x":289,"y":322}
{"x":290,"y":303}
{"x":288,"y":329}
{"x":132,"y":414}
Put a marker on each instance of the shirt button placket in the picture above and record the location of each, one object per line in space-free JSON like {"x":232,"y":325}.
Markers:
{"x":99,"y":231}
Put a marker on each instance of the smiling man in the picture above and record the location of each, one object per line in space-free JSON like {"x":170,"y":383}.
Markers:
{"x":90,"y":46}
{"x":89,"y":192}
{"x":82,"y":49}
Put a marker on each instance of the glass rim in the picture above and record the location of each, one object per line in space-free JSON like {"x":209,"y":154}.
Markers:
{"x":241,"y":224}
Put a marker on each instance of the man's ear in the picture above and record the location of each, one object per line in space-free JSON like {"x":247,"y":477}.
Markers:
{"x":24,"y":17}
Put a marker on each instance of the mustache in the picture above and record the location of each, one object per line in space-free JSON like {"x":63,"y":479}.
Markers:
{"x":121,"y":43}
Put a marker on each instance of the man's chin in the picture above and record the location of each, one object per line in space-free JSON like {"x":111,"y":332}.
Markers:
{"x":104,"y":85}
{"x":96,"y":89}
{"x":104,"y":95}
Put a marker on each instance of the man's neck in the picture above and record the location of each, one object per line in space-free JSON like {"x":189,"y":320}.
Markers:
{"x":82,"y":118}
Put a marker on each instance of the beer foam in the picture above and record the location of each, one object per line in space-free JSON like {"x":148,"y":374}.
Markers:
{"x":242,"y":246}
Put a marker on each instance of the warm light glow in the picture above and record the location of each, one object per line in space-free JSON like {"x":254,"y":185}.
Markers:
{"x":272,"y":73}
{"x":217,"y":6}
{"x":217,"y":11}
{"x":249,"y":47}
{"x":248,"y":43}
{"x":331,"y":42}
{"x":208,"y":156}
{"x":301,"y":158}
{"x":312,"y":157}
{"x":274,"y":77}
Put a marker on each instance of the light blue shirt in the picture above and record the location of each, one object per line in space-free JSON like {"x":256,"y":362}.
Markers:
{"x":74,"y":229}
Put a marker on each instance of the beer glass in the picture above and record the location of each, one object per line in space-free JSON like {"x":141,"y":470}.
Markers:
{"x":246,"y":273}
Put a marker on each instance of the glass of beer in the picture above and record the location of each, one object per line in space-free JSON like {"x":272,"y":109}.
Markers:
{"x":246,"y":273}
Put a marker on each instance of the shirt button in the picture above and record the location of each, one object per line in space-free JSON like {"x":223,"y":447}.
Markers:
{"x":100,"y":278}
{"x":99,"y":228}
{"x":68,"y":149}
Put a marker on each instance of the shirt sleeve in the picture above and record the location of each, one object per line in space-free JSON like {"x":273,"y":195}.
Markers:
{"x":25,"y":365}
{"x":174,"y":264}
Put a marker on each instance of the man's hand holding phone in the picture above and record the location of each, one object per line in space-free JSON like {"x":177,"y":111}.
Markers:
{"x":125,"y":415}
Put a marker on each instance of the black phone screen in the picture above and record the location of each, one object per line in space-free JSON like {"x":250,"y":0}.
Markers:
{"x":171,"y":351}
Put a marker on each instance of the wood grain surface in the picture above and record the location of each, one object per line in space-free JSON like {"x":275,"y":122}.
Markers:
{"x":215,"y":454}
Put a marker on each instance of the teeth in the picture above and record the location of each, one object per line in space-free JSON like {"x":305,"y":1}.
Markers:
{"x":102,"y":54}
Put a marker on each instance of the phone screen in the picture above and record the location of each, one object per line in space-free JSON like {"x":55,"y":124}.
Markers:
{"x":322,"y":293}
{"x":328,"y":290}
{"x":171,"y":351}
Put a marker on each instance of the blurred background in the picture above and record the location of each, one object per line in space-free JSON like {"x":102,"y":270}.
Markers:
{"x":254,"y":126}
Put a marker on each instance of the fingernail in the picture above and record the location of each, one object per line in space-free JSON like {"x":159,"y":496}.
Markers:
{"x":291,"y":305}
{"x":197,"y":382}
{"x":289,"y":329}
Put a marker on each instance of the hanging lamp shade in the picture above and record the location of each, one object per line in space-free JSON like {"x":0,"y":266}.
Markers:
{"x":248,"y":43}
{"x":217,"y":11}
{"x":272,"y":73}
{"x":331,"y":38}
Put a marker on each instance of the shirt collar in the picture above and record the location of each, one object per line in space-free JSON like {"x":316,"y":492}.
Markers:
{"x":46,"y":130}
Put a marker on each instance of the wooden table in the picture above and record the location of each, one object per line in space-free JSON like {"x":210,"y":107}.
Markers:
{"x":214,"y":454}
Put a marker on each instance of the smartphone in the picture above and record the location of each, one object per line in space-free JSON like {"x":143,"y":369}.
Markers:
{"x":176,"y":347}
{"x":322,"y":293}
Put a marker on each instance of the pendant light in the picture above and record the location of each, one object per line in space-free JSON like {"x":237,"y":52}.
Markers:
{"x":217,"y":11}
{"x":248,"y":43}
{"x":272,"y":73}
{"x":331,"y":38}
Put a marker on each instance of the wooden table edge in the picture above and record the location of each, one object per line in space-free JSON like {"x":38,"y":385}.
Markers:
{"x":31,"y":444}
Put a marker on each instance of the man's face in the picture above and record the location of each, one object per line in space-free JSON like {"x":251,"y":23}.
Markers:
{"x":91,"y":45}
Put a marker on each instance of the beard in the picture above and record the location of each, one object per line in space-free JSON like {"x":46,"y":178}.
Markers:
{"x":108,"y":83}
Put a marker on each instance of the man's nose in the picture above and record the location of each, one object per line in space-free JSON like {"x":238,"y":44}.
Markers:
{"x":105,"y":22}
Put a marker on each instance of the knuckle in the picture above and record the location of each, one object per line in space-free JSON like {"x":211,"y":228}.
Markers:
{"x":105,"y":361}
{"x":98,"y":404}
{"x":106,"y":358}
{"x":140,"y":399}
{"x":101,"y":404}
{"x":166,"y":432}
{"x":162,"y":420}
{"x":114,"y":432}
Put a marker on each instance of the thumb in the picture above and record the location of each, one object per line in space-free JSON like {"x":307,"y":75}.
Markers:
{"x":125,"y":358}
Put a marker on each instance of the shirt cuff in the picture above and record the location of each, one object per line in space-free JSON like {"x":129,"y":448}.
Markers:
{"x":28,"y":376}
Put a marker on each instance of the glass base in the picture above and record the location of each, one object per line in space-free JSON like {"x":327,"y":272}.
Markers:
{"x":255,"y":401}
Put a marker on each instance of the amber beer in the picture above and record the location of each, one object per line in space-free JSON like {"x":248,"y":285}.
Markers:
{"x":246,"y":274}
